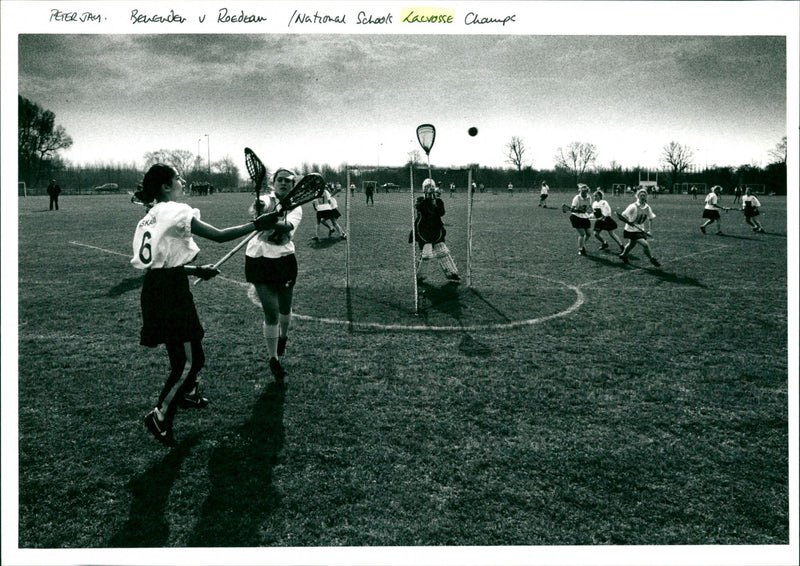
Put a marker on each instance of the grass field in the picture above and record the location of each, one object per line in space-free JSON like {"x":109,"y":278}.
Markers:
{"x":563,"y":400}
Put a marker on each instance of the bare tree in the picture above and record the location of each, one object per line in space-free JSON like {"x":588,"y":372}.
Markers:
{"x":515,"y":152}
{"x":678,"y":158}
{"x":180,"y":159}
{"x":778,"y":154}
{"x":577,"y":158}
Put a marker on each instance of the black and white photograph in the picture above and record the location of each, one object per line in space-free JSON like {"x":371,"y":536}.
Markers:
{"x":475,"y":283}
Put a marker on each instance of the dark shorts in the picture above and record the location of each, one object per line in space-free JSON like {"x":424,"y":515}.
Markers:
{"x":278,"y":272}
{"x":606,"y":223}
{"x":711,"y":214}
{"x":542,"y":197}
{"x":634,"y":235}
{"x":168,"y":311}
{"x":751,"y":212}
{"x":578,"y":222}
{"x":332,"y":214}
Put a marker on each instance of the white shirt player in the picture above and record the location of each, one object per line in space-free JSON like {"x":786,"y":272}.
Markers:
{"x":163,"y":238}
{"x":581,"y":206}
{"x":261,"y":246}
{"x":711,"y":201}
{"x":323,"y":202}
{"x":636,"y":214}
{"x":603,"y":207}
{"x":544,"y":189}
{"x":754,"y":203}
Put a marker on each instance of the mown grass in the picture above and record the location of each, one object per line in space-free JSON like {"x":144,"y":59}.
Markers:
{"x":655,"y":413}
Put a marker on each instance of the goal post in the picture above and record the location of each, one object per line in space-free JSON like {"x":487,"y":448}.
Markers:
{"x":22,"y":189}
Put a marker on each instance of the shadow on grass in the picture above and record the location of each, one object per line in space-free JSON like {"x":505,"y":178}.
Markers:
{"x":147,"y":525}
{"x":446,"y":299}
{"x":733,"y":237}
{"x":124,"y":286}
{"x":324,"y":243}
{"x":657,"y":272}
{"x":240,"y":471}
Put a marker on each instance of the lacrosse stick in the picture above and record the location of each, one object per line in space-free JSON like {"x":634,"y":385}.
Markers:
{"x":628,"y":222}
{"x":310,"y":187}
{"x":257,"y":172}
{"x":426,"y":135}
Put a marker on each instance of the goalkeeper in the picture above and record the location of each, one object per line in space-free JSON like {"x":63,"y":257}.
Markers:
{"x":429,"y":232}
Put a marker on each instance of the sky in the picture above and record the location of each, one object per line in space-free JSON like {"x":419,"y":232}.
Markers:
{"x":357,"y":99}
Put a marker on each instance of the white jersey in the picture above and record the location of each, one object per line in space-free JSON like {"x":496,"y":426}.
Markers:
{"x":711,"y":201}
{"x":636,"y":214}
{"x":261,"y":246}
{"x":752,"y":200}
{"x":581,"y":207}
{"x":163,"y":238}
{"x":544,"y":190}
{"x":603,"y":207}
{"x":323,"y":202}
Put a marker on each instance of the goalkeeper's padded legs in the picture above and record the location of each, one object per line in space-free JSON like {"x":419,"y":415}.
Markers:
{"x":445,"y":259}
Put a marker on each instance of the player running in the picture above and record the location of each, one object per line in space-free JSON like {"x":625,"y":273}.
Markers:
{"x":543,"y":192}
{"x":711,"y":210}
{"x":750,"y":206}
{"x":163,"y":247}
{"x":603,"y":221}
{"x":637,"y":213}
{"x":271,"y":266}
{"x":580,"y":215}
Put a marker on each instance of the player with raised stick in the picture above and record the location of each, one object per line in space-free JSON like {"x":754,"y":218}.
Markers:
{"x":270,"y":262}
{"x":163,"y":246}
{"x":634,"y":217}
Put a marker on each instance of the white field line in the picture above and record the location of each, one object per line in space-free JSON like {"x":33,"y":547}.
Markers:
{"x":622,"y":274}
{"x":579,"y":300}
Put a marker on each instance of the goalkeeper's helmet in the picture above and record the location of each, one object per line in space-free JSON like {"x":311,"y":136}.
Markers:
{"x":428,"y":186}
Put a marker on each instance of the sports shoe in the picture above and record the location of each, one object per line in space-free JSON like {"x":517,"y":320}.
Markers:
{"x":331,"y":232}
{"x":762,"y":230}
{"x":582,"y":251}
{"x":604,"y":246}
{"x":624,"y":258}
{"x":344,"y":236}
{"x":453,"y":277}
{"x":159,"y":429}
{"x":193,"y":400}
{"x":654,"y":261}
{"x":703,"y":229}
{"x":277,"y":370}
{"x":282,"y":345}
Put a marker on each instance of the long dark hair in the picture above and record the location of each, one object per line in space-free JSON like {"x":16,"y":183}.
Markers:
{"x":156,"y":177}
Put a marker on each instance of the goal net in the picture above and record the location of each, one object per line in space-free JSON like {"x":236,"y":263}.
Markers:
{"x":687,"y":188}
{"x":756,"y":188}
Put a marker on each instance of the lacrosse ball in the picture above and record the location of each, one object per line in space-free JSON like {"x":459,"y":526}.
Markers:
{"x":473,"y":131}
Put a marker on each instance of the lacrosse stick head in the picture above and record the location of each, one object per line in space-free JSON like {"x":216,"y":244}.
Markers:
{"x":426,"y":135}
{"x":310,"y":187}
{"x":255,"y":168}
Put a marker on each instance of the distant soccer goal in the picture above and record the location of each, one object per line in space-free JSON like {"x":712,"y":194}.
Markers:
{"x":22,"y":189}
{"x":686,"y":188}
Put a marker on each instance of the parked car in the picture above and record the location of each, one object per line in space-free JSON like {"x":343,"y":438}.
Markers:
{"x":107,"y":188}
{"x":390,"y":187}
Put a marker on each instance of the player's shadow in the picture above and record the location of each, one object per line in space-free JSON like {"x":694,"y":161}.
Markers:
{"x":124,"y":286}
{"x":447,"y":300}
{"x":674,"y":278}
{"x":734,"y":237}
{"x":240,"y":470}
{"x":607,"y":260}
{"x":147,"y":525}
{"x":324,"y":243}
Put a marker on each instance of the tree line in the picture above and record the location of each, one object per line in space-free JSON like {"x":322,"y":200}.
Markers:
{"x":40,"y":140}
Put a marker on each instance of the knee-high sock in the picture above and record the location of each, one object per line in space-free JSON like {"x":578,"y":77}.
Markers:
{"x":271,"y":332}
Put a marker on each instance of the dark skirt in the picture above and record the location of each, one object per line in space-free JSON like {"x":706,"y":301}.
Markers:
{"x":278,"y":272}
{"x":578,"y":222}
{"x":168,"y":311}
{"x":605,"y":223}
{"x":331,"y":214}
{"x":710,"y":214}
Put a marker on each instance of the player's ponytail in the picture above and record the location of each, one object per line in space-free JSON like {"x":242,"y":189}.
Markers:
{"x":156,"y":177}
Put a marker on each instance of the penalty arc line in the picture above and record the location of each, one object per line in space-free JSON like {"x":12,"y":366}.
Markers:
{"x":579,"y":300}
{"x":628,"y":272}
